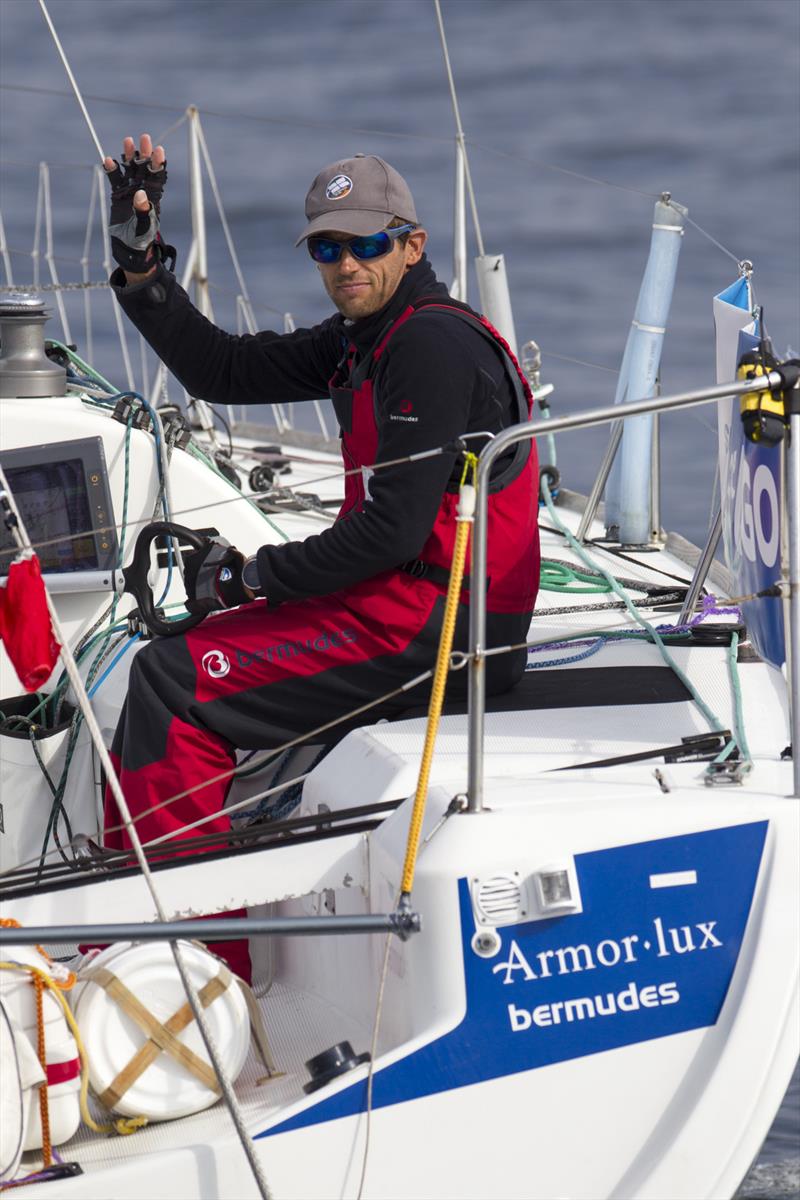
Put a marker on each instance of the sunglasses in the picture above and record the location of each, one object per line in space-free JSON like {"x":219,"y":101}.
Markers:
{"x":374,"y":245}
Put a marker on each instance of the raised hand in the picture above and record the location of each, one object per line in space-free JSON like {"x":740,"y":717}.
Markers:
{"x":137,"y":185}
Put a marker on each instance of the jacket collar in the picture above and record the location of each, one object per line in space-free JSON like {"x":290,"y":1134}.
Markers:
{"x":418,"y":282}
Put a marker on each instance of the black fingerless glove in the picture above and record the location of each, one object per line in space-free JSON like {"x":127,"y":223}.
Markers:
{"x":133,"y":250}
{"x":133,"y":233}
{"x":213,"y":578}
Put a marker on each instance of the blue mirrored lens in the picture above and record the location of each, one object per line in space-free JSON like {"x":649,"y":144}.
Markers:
{"x":370,"y":247}
{"x":324,"y":250}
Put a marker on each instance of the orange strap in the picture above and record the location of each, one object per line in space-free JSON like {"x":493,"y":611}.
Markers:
{"x":44,"y":1106}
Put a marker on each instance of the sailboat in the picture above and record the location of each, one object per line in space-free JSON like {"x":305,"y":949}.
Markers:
{"x":563,"y":920}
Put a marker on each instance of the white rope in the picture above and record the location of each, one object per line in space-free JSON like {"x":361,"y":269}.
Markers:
{"x":376,"y":1025}
{"x":459,"y":129}
{"x":72,"y":79}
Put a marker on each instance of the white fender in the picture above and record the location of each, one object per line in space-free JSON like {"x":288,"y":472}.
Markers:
{"x":18,"y":999}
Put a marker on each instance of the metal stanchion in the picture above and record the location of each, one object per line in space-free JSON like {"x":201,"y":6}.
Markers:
{"x":793,"y":519}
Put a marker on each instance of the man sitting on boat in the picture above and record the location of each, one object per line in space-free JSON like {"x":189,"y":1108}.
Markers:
{"x":326,"y":625}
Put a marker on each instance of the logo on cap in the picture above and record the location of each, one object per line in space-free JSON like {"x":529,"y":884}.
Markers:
{"x":339,"y":187}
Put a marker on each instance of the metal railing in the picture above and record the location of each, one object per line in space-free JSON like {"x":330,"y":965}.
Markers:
{"x":602,"y":416}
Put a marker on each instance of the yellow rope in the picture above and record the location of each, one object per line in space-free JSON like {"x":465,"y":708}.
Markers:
{"x":123,"y":1125}
{"x":464,"y":520}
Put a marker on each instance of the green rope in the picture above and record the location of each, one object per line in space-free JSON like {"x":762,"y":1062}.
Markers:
{"x":739,"y":735}
{"x":89,"y":640}
{"x":125,"y":494}
{"x":559,"y":577}
{"x":57,"y":792}
{"x":736,"y":687}
{"x":549,"y":440}
{"x":72,"y":740}
{"x":656,"y":637}
{"x":84,"y":366}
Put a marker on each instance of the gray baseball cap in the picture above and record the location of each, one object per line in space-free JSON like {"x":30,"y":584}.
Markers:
{"x":358,"y":195}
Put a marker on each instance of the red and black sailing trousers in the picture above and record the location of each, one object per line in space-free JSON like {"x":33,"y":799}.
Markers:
{"x":254,"y":679}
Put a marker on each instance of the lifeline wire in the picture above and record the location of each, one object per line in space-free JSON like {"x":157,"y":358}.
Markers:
{"x":290,"y":122}
{"x":241,"y":497}
{"x":459,"y":660}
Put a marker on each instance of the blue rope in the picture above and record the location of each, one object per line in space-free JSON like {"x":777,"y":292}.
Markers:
{"x":276,"y":807}
{"x":559,"y":662}
{"x":114,"y":662}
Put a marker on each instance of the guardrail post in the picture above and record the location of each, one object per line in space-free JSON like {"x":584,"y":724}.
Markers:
{"x":793,"y":520}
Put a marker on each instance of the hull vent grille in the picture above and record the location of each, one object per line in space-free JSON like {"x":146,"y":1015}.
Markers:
{"x":498,"y":900}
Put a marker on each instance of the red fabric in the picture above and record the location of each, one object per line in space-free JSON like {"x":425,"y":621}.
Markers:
{"x":209,"y":756}
{"x":247,"y":648}
{"x":62,"y":1072}
{"x":25,"y":624}
{"x":513,"y":545}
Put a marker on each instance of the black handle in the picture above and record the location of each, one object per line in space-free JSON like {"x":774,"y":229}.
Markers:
{"x":135,"y":576}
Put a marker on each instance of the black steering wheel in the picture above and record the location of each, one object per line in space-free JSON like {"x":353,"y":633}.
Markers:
{"x":135,"y":576}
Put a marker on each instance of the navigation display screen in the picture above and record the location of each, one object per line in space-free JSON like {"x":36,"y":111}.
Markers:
{"x":64,"y":504}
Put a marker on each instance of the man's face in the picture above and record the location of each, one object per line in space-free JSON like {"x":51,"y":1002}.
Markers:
{"x":359,"y":287}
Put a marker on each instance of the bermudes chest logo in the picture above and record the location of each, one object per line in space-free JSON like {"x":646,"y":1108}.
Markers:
{"x":216,"y":664}
{"x":339,"y":187}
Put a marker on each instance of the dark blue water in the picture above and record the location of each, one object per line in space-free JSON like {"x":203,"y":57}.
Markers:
{"x":700,"y":99}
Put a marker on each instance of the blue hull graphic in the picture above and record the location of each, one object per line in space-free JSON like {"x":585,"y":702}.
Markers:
{"x":652,"y":954}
